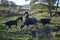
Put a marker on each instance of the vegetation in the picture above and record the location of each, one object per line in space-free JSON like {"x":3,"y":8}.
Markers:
{"x":14,"y":33}
{"x":50,"y":4}
{"x":7,"y":3}
{"x":18,"y":34}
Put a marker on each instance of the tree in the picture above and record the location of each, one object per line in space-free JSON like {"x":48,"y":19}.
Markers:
{"x":4,"y":3}
{"x":11,"y":4}
{"x":49,"y":2}
{"x":57,"y":6}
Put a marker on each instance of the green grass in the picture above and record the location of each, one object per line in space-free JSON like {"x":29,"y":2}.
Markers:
{"x":39,"y":15}
{"x":15,"y":33}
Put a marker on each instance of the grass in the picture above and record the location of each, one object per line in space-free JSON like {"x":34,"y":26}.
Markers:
{"x":16,"y":33}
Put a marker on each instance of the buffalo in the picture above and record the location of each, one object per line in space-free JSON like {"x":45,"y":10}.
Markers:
{"x":45,"y":21}
{"x":10,"y":23}
{"x":20,"y":18}
{"x":29,"y":21}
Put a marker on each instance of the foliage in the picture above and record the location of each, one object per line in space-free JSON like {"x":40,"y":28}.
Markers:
{"x":8,"y":4}
{"x":12,"y":4}
{"x":4,"y":4}
{"x":41,"y":4}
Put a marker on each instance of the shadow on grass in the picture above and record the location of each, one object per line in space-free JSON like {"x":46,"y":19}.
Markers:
{"x":2,"y":27}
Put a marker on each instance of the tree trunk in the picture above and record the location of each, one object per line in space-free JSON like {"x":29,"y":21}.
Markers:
{"x":57,"y":6}
{"x":49,"y":8}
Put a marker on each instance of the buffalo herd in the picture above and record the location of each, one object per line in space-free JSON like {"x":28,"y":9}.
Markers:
{"x":28,"y":21}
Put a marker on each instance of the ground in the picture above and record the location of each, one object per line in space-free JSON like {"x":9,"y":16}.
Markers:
{"x":18,"y":34}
